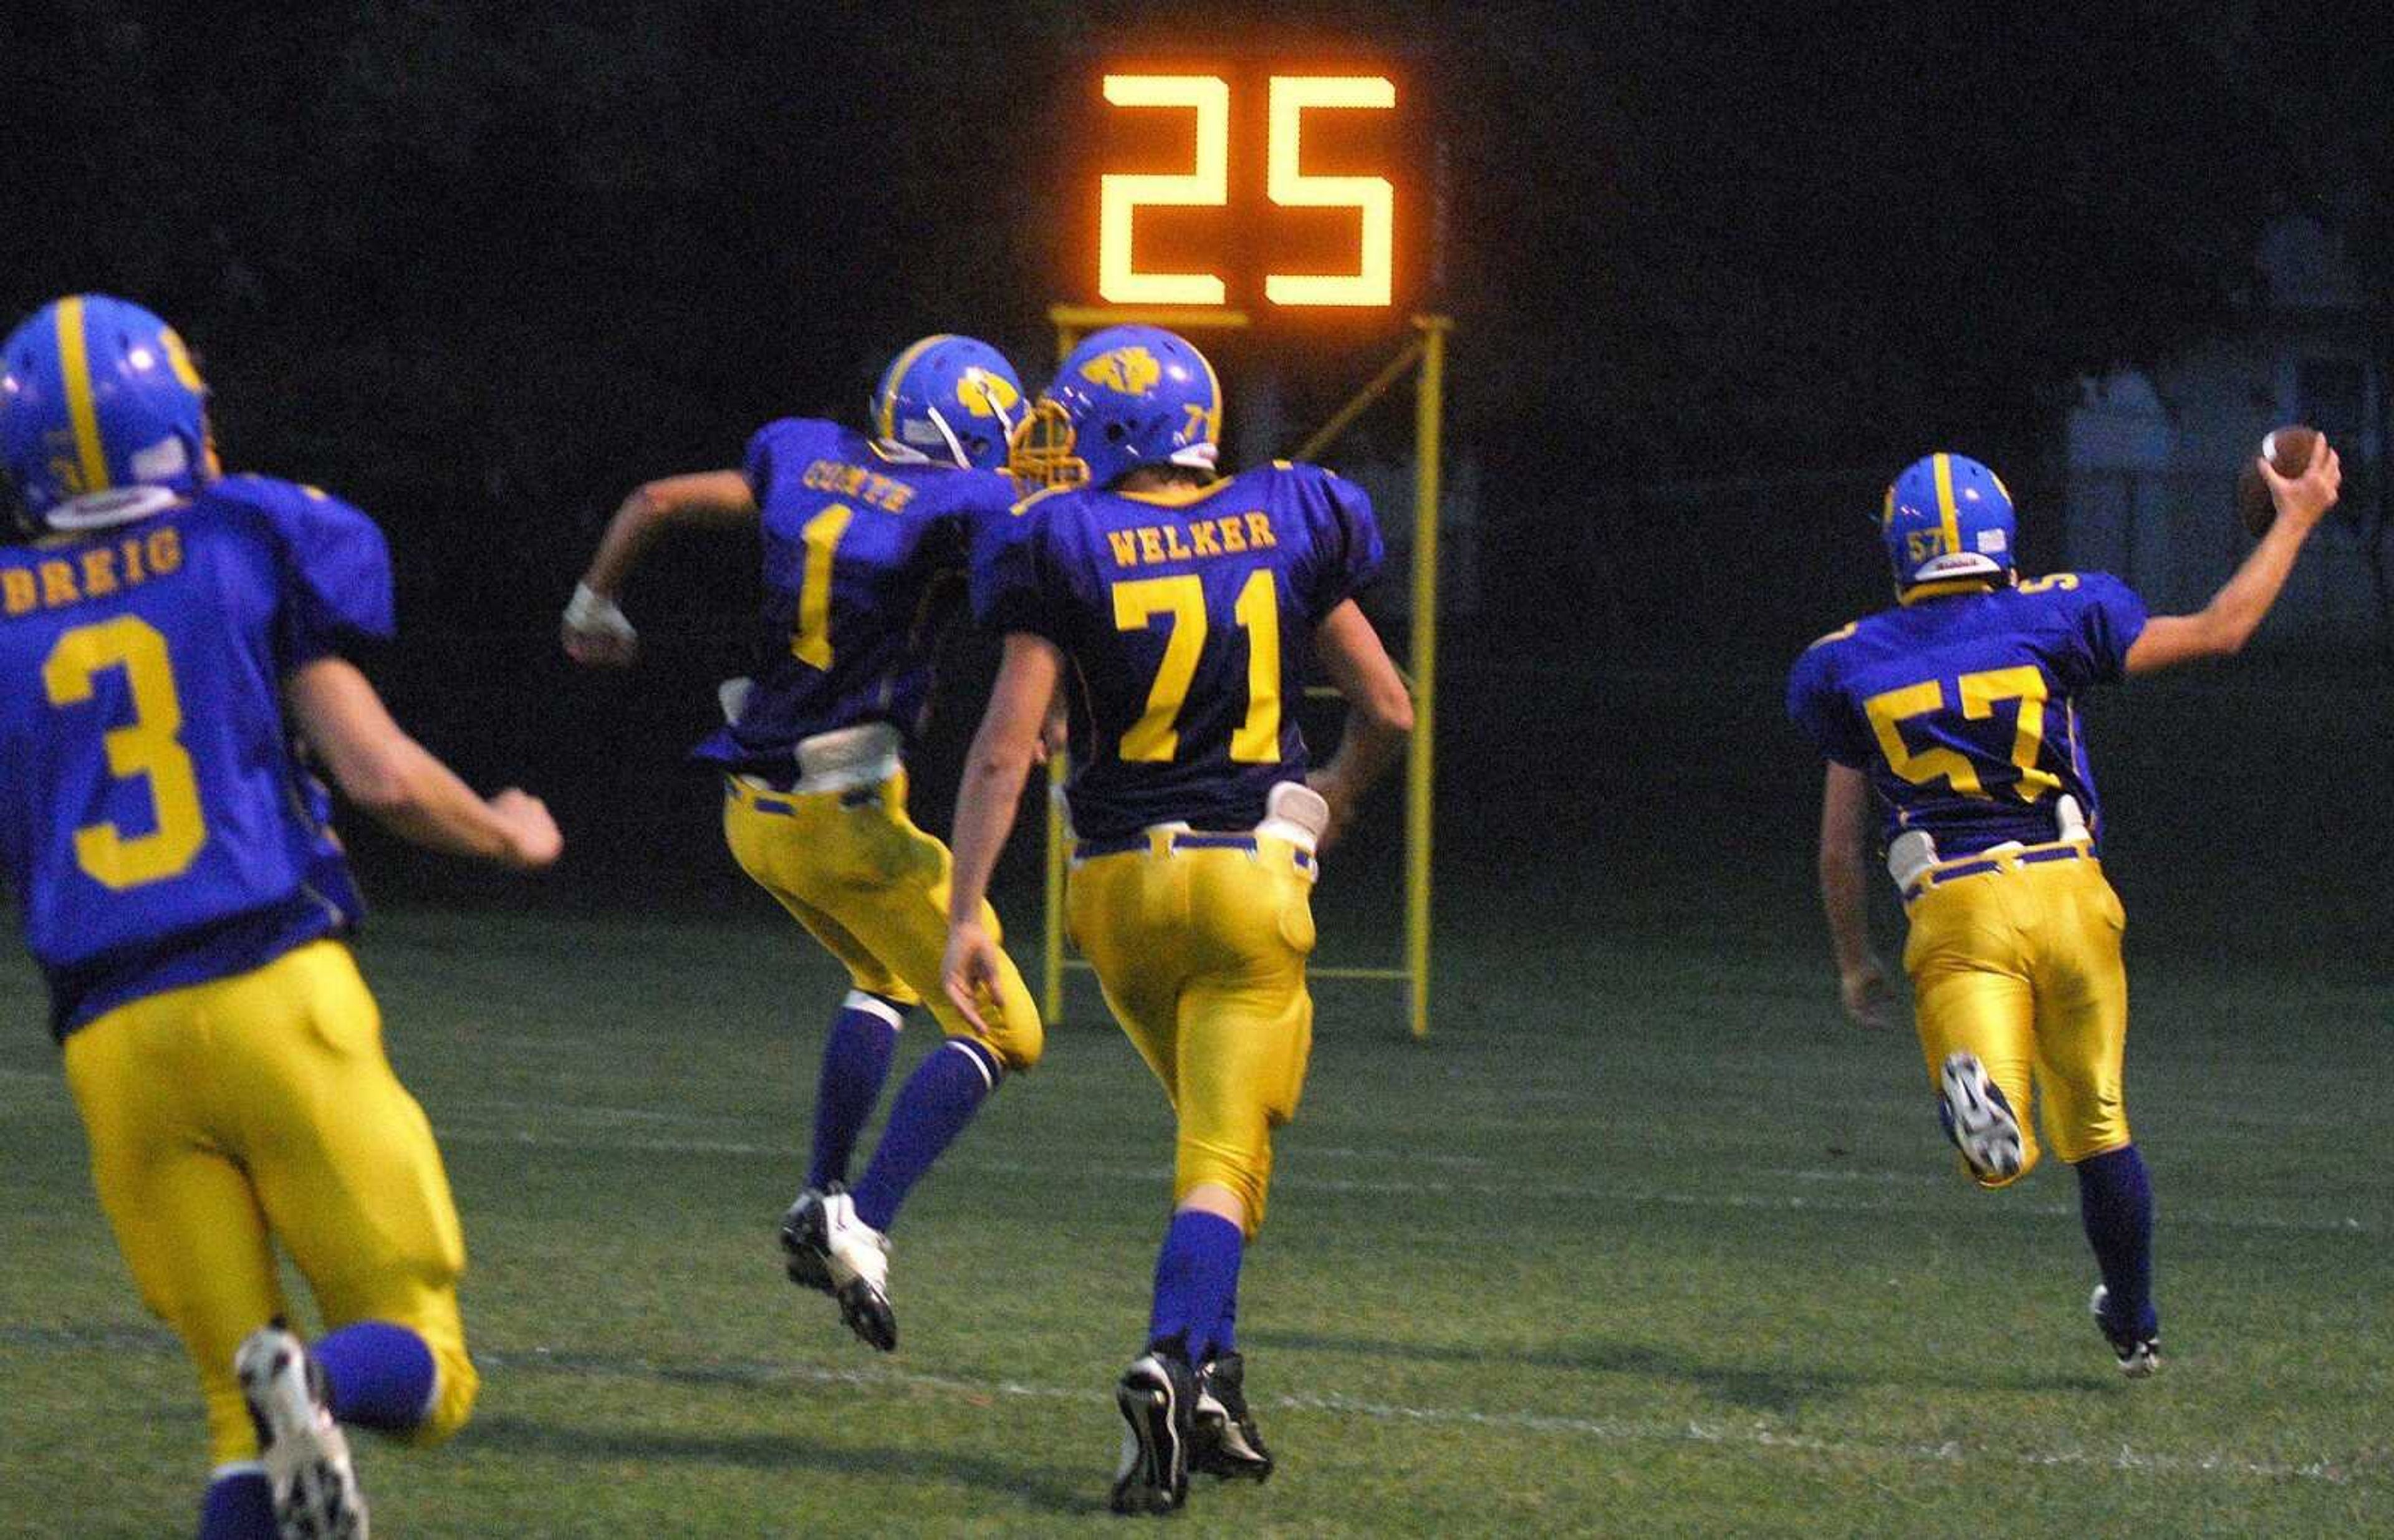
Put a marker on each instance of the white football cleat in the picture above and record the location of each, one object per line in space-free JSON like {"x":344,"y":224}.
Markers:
{"x":306,"y":1459}
{"x":2140,"y":1357}
{"x":1978,"y":1119}
{"x":856,"y":1256}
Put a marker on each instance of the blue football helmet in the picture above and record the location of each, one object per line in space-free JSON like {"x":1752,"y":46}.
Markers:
{"x":102,"y":415}
{"x":949,"y":398}
{"x":1126,"y":397}
{"x":1947,"y":515}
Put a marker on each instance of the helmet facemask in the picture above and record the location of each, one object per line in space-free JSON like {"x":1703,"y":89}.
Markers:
{"x":1040,"y":449}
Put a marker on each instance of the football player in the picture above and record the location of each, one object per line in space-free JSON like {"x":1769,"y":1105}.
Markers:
{"x":1956,"y":712}
{"x":1181,"y":605}
{"x":164,"y":626}
{"x":865,"y":538}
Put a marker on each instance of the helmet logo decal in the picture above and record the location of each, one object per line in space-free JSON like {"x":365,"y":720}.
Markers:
{"x":178,"y":359}
{"x":1131,"y":371}
{"x":985,"y":394}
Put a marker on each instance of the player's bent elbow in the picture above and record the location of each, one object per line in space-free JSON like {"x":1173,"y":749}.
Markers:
{"x":376,"y":783}
{"x":387,"y":781}
{"x":2231,"y":634}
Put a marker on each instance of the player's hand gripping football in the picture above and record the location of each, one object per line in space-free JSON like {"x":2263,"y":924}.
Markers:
{"x":595,"y":631}
{"x":1869,"y":1002}
{"x":532,"y":836}
{"x":969,"y":971}
{"x":2304,"y":500}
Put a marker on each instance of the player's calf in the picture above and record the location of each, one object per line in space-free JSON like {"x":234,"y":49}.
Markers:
{"x":1978,"y":1119}
{"x":306,"y":1459}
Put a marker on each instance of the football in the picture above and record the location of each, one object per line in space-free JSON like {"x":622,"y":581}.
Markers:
{"x":2289,"y":450}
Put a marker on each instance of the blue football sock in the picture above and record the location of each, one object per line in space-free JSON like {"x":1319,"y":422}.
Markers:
{"x":2115,"y":1200}
{"x":240,"y":1505}
{"x":381,"y":1375}
{"x":1196,"y":1285}
{"x":855,"y":1064}
{"x":937,"y":1100}
{"x":1224,"y":1338}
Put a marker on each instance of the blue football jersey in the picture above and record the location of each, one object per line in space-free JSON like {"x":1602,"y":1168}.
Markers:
{"x":1962,"y":707}
{"x":158,"y":827}
{"x":864,"y":568}
{"x":1187,"y":614}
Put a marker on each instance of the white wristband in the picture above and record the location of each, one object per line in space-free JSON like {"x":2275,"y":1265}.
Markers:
{"x":592,"y":613}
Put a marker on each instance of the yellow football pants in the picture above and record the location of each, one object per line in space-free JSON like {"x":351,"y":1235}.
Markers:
{"x":2021,"y":967}
{"x":232,"y":1113}
{"x":1201,"y":956}
{"x":855,"y":871}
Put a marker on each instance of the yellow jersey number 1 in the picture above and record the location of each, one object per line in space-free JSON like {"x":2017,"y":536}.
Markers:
{"x":1155,"y":737}
{"x":148,"y":748}
{"x":810,"y":640}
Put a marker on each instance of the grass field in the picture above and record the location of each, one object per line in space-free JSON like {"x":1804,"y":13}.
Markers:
{"x":1642,"y":1241}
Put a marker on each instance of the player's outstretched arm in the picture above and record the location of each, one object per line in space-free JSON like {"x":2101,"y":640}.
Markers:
{"x":594,"y":630}
{"x":1845,"y":898}
{"x":1001,"y":757}
{"x":379,"y":766}
{"x":1379,"y":712}
{"x":2222,"y":627}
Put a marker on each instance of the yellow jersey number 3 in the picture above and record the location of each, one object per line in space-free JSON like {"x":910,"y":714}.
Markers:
{"x":149,"y":749}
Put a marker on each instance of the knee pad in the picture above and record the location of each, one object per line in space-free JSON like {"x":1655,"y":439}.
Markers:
{"x":1016,"y":1037}
{"x":453,"y":1396}
{"x":1246,"y":1173}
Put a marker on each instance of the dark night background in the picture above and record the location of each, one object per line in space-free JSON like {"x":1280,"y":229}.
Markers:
{"x":485,"y":269}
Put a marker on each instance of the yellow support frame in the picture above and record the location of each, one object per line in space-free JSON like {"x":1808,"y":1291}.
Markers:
{"x":1427,"y":353}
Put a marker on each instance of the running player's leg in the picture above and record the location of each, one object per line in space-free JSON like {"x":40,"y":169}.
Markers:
{"x":2082,"y":1040}
{"x":1975,"y":1012}
{"x":354,"y":1185}
{"x":189,"y":1226}
{"x":1129,"y":913}
{"x":1245,"y":1038}
{"x":896,"y":903}
{"x":774,"y":852}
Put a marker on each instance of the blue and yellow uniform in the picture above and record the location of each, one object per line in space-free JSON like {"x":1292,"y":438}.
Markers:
{"x":187,"y":902}
{"x":865,"y":558}
{"x":1186,"y":613}
{"x":1961,"y":708}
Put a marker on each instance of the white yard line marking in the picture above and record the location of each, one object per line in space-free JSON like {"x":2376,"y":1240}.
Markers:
{"x":1727,"y":1435}
{"x":1595,"y":1191}
{"x":2367,"y":1468}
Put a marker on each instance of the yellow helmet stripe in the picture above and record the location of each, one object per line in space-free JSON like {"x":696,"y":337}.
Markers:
{"x":1948,"y":516}
{"x":75,"y":365}
{"x":884,"y":413}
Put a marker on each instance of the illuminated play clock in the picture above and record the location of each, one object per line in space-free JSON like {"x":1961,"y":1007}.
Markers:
{"x":1250,"y":186}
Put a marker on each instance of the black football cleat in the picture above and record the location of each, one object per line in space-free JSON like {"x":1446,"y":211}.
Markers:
{"x":1158,"y":1399}
{"x":2139,"y":1355}
{"x":1226,"y":1444}
{"x":802,"y":1254}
